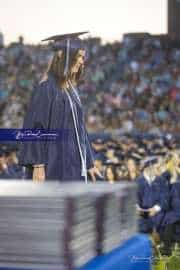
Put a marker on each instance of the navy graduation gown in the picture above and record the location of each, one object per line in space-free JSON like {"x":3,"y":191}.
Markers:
{"x":149,"y":195}
{"x":173,"y":215}
{"x":167,"y":176}
{"x":50,"y":109}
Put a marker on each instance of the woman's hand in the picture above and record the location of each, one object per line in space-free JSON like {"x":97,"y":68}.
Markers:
{"x":93,"y":172}
{"x":39,"y":174}
{"x":152,"y":212}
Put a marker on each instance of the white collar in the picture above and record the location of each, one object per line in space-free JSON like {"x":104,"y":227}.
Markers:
{"x":148,"y":178}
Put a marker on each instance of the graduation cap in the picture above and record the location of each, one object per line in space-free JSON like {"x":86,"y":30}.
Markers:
{"x":100,"y":156}
{"x":8,"y":148}
{"x":135,"y":156}
{"x":149,"y":161}
{"x":98,"y":141}
{"x":120,"y":155}
{"x":1,"y":153}
{"x":68,"y":42}
{"x":4,"y":148}
{"x":109,"y":162}
{"x":141,"y":151}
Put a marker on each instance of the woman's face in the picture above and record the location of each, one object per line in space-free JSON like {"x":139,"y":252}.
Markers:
{"x":79,"y":61}
{"x":131,"y":165}
{"x":109,"y":174}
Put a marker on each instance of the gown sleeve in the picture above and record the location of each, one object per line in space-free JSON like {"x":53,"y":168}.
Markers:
{"x":140,"y":190}
{"x":89,"y":153}
{"x":163,"y":201}
{"x":175,"y":199}
{"x":37,"y":116}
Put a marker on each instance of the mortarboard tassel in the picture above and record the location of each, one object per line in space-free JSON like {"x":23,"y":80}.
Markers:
{"x":67,"y":57}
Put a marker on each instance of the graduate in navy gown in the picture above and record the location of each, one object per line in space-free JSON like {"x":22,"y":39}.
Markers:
{"x":153,"y":198}
{"x":55,"y":104}
{"x":14,"y":169}
{"x":171,"y":222}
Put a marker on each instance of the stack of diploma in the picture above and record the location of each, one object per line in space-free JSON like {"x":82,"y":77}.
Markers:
{"x":62,"y":226}
{"x":116,"y":219}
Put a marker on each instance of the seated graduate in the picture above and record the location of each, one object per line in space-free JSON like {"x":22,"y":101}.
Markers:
{"x":56,"y":105}
{"x":171,"y":221}
{"x":14,"y":169}
{"x":152,"y":197}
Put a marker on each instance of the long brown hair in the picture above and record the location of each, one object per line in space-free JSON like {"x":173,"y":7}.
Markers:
{"x":56,"y":67}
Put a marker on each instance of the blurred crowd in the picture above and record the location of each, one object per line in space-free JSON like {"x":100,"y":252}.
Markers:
{"x":133,"y":85}
{"x":118,"y":158}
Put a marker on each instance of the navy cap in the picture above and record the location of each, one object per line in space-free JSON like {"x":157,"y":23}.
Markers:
{"x":135,"y":156}
{"x":149,"y":161}
{"x":98,"y":141}
{"x":100,"y":156}
{"x":69,"y":42}
{"x":8,"y":148}
{"x":65,"y":36}
{"x":1,"y":153}
{"x":111,"y":163}
{"x":61,"y":40}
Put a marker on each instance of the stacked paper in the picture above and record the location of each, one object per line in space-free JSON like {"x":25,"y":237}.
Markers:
{"x":53,"y":226}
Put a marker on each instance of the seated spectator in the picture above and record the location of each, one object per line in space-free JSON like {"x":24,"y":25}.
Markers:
{"x":110,"y":173}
